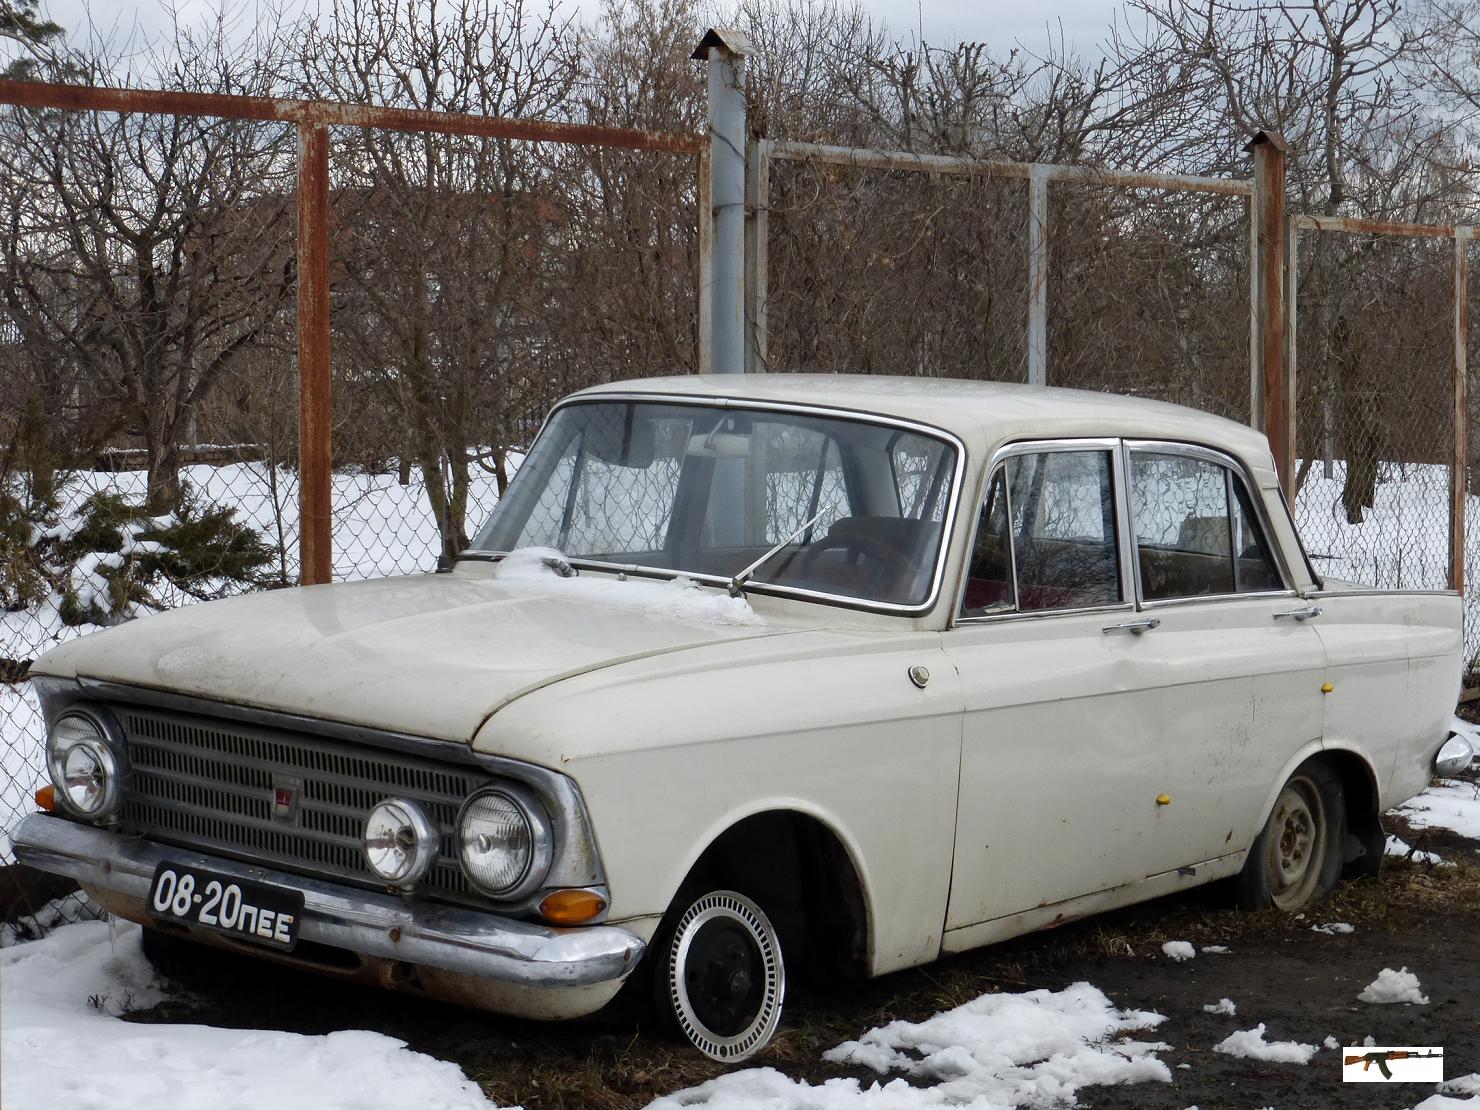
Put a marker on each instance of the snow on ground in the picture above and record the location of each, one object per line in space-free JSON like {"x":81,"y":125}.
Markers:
{"x":1250,"y":1044}
{"x":1215,"y":949}
{"x":1452,"y":804}
{"x":1178,"y":950}
{"x":1332,"y":928}
{"x":1393,"y":986}
{"x":1222,"y":1006}
{"x":1037,"y":1048}
{"x":62,"y":1045}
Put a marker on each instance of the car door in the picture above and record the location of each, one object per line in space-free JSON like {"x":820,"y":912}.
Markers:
{"x":1057,"y":767}
{"x":1232,"y":669}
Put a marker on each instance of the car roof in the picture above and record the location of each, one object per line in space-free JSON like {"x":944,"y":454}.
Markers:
{"x":981,"y":414}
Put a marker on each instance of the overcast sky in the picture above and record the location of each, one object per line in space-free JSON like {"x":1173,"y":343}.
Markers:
{"x":999,"y":22}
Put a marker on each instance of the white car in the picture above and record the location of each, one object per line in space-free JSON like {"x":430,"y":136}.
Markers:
{"x":755,"y":674}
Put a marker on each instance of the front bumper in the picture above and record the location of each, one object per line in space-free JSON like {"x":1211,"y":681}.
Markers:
{"x":515,"y":967}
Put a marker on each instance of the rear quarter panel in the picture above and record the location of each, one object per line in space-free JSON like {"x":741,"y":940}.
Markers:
{"x":1393,"y":660}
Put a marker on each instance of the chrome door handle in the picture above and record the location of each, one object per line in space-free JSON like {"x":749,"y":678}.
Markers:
{"x":1134,"y":626}
{"x":1303,"y":614}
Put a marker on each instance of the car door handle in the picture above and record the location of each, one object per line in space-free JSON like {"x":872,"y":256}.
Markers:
{"x":1134,"y":626}
{"x":1303,"y":614}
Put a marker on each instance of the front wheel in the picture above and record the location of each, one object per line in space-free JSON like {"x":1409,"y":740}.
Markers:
{"x":720,"y":976}
{"x":1296,"y":859}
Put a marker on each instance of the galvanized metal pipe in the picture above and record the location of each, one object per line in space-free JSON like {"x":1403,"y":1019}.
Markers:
{"x":726,"y":277}
{"x":1037,"y":276}
{"x":1459,"y":471}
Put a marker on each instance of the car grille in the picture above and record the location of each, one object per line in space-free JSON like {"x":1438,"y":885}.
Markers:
{"x":210,"y":784}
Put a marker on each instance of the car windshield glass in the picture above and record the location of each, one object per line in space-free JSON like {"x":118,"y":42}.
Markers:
{"x":705,"y":491}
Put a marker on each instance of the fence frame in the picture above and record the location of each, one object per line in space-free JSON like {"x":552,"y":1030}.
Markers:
{"x":313,"y":118}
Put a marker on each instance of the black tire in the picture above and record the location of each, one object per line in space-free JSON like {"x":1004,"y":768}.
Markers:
{"x":718,"y":976}
{"x":1296,"y":859}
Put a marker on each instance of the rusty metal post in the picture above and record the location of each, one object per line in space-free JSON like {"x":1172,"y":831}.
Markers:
{"x":1459,"y":472}
{"x":757,"y":251}
{"x":1037,"y":275}
{"x":315,"y":542}
{"x":1273,"y":408}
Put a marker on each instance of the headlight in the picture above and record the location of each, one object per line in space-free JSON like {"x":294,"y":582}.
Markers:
{"x":400,"y":843}
{"x":83,"y":767}
{"x":496,"y":841}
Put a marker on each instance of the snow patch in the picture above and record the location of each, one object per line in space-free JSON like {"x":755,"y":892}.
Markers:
{"x":996,"y":1051}
{"x":1250,"y":1044}
{"x":1330,"y":1042}
{"x":1393,"y":986}
{"x":62,"y":1046}
{"x":1215,"y":949}
{"x":1452,"y":804}
{"x":1222,"y":1006}
{"x":676,"y":599}
{"x":1178,"y":950}
{"x":1331,"y":928}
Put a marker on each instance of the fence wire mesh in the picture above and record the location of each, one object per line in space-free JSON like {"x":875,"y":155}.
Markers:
{"x":1149,"y":295}
{"x":466,"y":298}
{"x":896,"y":272}
{"x":1375,"y":407}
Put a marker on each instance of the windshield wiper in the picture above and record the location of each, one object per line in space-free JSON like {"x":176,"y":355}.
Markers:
{"x":738,"y":582}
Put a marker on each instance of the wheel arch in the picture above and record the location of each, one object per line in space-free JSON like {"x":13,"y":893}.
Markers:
{"x":805,"y":873}
{"x":1363,"y":836}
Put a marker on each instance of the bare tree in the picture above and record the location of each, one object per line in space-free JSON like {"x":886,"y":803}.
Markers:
{"x":441,"y":237}
{"x":147,"y":253}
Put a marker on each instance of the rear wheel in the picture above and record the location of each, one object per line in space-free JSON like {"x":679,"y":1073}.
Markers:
{"x":719,"y":977}
{"x":1296,"y":859}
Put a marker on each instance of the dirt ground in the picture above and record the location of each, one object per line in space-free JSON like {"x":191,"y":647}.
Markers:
{"x":1303,"y":985}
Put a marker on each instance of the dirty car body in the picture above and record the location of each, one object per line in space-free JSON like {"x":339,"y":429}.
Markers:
{"x":754,"y":673}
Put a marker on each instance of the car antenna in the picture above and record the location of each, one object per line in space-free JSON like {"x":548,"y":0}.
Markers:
{"x":738,"y":582}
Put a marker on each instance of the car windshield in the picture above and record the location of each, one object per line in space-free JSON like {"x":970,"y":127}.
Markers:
{"x":705,"y":491}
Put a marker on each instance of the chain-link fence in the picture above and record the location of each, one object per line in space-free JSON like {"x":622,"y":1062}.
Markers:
{"x":151,"y":454}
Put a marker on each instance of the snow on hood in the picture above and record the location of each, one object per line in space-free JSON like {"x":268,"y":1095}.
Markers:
{"x":429,"y":655}
{"x":679,"y":598}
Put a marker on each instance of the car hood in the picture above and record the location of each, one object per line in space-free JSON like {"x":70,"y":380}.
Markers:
{"x":428,"y":655}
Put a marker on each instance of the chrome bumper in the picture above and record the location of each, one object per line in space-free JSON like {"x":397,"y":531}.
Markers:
{"x":367,"y":922}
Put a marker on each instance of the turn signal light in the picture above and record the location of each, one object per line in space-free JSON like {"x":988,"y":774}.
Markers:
{"x":571,"y":907}
{"x":46,"y":798}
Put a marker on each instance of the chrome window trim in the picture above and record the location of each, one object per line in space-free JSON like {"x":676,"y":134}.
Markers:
{"x":833,"y":412}
{"x":999,"y":457}
{"x":1234,"y":466}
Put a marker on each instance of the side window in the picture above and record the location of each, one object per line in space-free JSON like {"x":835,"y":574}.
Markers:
{"x":1047,"y":536}
{"x":1195,"y":531}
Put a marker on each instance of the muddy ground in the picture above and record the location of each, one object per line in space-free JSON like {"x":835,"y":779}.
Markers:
{"x":1303,"y":985}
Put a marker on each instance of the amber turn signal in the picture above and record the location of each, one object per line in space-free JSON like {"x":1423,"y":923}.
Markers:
{"x":46,"y":798}
{"x":571,"y":907}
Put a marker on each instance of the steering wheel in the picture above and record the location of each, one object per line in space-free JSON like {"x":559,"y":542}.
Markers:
{"x":888,"y":558}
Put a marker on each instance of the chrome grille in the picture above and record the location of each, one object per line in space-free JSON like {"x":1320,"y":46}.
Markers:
{"x":206,"y":783}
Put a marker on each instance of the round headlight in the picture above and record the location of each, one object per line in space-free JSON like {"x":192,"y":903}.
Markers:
{"x":496,"y":842}
{"x":83,"y":767}
{"x":400,"y":843}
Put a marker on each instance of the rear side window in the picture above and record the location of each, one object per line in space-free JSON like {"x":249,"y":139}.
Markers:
{"x":1196,"y":532}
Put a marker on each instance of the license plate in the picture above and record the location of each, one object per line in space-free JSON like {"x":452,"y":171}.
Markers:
{"x":238,"y":908}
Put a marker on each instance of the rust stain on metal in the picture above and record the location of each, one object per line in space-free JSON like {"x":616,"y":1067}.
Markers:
{"x":910,"y":162}
{"x":1353,"y":225}
{"x":1269,"y":214}
{"x":1459,"y":470}
{"x":315,"y":549}
{"x":41,"y":94}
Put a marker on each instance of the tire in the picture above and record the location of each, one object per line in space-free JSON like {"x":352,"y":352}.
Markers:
{"x":1296,"y":859}
{"x":719,"y":978}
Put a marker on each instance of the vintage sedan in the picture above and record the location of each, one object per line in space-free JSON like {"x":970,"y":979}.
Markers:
{"x":756,"y":675}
